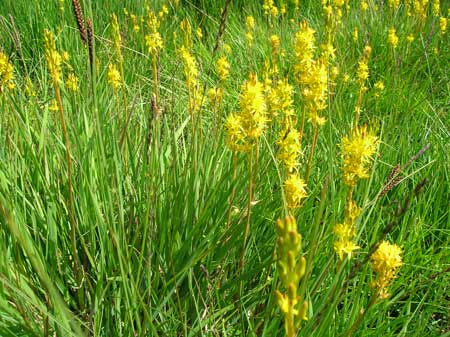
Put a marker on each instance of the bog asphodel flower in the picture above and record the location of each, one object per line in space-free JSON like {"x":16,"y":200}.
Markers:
{"x":215,"y":95}
{"x":304,"y":47}
{"x":393,"y":38}
{"x":295,"y":189}
{"x":236,"y":137}
{"x":190,"y":68}
{"x":443,"y":24}
{"x":223,"y":68}
{"x":114,"y":77}
{"x":344,"y":243}
{"x":53,"y":57}
{"x":275,"y":42}
{"x":154,"y":42}
{"x":253,"y":107}
{"x":72,"y":82}
{"x":289,"y":148}
{"x":386,"y":261}
{"x":291,"y":269}
{"x":6,"y":73}
{"x":357,"y":150}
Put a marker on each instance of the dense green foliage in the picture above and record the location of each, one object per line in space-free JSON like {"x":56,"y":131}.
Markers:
{"x":154,"y":254}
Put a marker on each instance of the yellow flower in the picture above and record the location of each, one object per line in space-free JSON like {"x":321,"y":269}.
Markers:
{"x":393,"y":4}
{"x":249,"y":37}
{"x":410,"y":38}
{"x":289,"y":148}
{"x":6,"y":73}
{"x":154,"y":42}
{"x":136,"y":27}
{"x":236,"y":138}
{"x":393,"y":38}
{"x":275,"y":41}
{"x":253,"y":107}
{"x":295,"y":189}
{"x":117,"y":39}
{"x":215,"y":95}
{"x":53,"y":106}
{"x":52,"y":56}
{"x":364,"y":5}
{"x":362,"y":73}
{"x":250,"y":22}
{"x":199,"y":33}
{"x":114,"y":77}
{"x":190,"y":68}
{"x":379,"y":87}
{"x":355,"y":34}
{"x":291,"y":269}
{"x":436,"y":7}
{"x":163,"y":12}
{"x":357,"y":152}
{"x":343,"y":248}
{"x":223,"y":68}
{"x":443,"y":24}
{"x":304,"y":47}
{"x":385,"y":262}
{"x":72,"y":82}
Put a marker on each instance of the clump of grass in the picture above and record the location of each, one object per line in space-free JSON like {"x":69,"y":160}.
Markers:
{"x":148,"y":208}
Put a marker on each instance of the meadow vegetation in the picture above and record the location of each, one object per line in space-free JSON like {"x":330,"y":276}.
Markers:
{"x":224,"y":168}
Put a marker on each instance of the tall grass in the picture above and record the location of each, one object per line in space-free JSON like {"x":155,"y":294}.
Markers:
{"x":161,"y":205}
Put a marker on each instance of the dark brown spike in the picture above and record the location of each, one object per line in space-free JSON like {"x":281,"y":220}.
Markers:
{"x":79,"y":18}
{"x":392,"y":181}
{"x":90,"y":41}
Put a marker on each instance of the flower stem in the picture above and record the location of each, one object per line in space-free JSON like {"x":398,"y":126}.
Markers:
{"x":249,"y":205}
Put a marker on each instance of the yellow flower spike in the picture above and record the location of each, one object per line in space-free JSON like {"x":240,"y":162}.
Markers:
{"x":364,"y":5}
{"x":393,"y":38}
{"x":355,"y":34}
{"x":186,"y":28}
{"x":436,"y":7}
{"x":236,"y":138}
{"x":190,"y":68}
{"x":295,"y":189}
{"x":443,"y":24}
{"x":6,"y":73}
{"x":154,"y":42}
{"x":54,"y":59}
{"x":250,"y":22}
{"x":223,"y":68}
{"x":291,"y":271}
{"x":393,"y":4}
{"x":163,"y":12}
{"x":253,"y":108}
{"x":114,"y":78}
{"x":357,"y":152}
{"x":275,"y":42}
{"x":385,"y":262}
{"x":117,"y":39}
{"x":72,"y":82}
{"x":199,"y":33}
{"x":289,"y":148}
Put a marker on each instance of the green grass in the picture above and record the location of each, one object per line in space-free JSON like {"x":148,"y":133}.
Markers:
{"x":157,"y":256}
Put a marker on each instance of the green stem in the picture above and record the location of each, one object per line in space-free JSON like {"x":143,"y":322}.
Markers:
{"x":361,"y":315}
{"x":249,"y":205}
{"x":311,"y":153}
{"x":233,"y":191}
